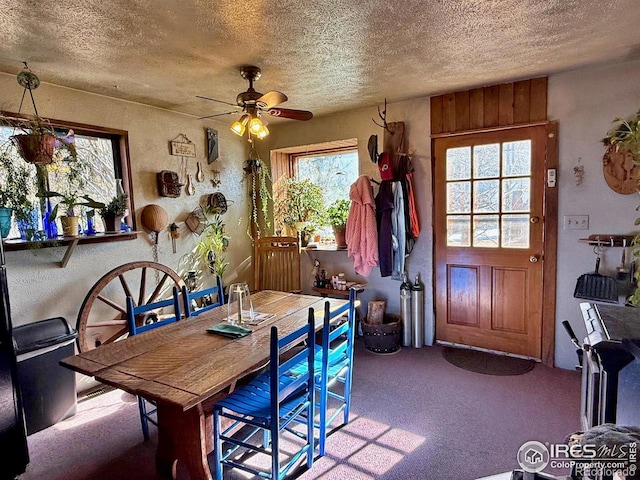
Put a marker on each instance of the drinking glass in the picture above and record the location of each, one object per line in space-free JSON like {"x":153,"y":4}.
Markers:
{"x":239,"y":307}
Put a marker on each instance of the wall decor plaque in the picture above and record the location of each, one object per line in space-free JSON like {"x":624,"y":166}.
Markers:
{"x":181,"y":146}
{"x":212,"y":145}
{"x":620,"y":170}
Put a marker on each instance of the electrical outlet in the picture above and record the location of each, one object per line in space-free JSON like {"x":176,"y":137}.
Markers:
{"x":576,"y":222}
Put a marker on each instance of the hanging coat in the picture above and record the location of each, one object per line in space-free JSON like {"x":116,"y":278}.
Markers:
{"x":361,"y":234}
{"x":384,"y":210}
{"x":399,"y":231}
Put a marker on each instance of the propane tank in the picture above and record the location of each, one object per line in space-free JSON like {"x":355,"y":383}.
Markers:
{"x":405,"y":310}
{"x":417,"y":313}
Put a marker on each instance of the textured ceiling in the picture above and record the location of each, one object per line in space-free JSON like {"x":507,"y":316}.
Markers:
{"x":327,"y":56}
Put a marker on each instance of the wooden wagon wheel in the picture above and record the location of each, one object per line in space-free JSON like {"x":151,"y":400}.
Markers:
{"x":102,"y":317}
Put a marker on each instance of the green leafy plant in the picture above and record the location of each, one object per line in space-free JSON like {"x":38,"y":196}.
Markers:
{"x":212,"y":245}
{"x":16,"y":183}
{"x":116,"y":206}
{"x":302,"y":201}
{"x":260,"y":194}
{"x":627,"y":135}
{"x":69,"y":202}
{"x":338,"y":212}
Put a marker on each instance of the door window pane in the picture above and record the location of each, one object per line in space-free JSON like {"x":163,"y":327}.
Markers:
{"x":516,"y":157}
{"x":459,"y":163}
{"x":459,"y":197}
{"x":486,"y":161}
{"x":486,"y":232}
{"x":486,"y":196}
{"x":458,"y":230}
{"x":516,"y":195}
{"x":515,"y":231}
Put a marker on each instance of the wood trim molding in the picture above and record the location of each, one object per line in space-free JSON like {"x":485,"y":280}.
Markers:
{"x":508,"y":104}
{"x":550,"y":254}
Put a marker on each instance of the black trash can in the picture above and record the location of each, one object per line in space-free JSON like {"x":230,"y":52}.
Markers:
{"x":48,"y":389}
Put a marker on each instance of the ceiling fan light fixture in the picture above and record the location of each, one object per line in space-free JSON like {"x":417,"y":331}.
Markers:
{"x":239,"y":126}
{"x":256,"y":126}
{"x":263,"y":133}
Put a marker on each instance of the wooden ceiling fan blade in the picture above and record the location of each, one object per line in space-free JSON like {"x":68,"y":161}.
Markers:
{"x":218,"y":115}
{"x":271,"y":99}
{"x":289,"y":113}
{"x":219,"y":101}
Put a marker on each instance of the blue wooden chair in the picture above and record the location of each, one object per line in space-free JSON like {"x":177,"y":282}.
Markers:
{"x":334,"y":365}
{"x":140,"y":319}
{"x":270,"y":403}
{"x":189,"y":298}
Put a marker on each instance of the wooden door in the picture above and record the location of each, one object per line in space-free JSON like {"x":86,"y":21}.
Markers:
{"x":489,"y":190}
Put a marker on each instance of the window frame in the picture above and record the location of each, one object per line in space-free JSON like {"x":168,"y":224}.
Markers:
{"x":120,"y":147}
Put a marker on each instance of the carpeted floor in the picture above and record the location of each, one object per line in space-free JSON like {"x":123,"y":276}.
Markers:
{"x":414,"y":416}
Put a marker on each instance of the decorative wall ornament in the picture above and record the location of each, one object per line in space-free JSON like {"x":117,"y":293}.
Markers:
{"x":620,"y":169}
{"x":169,"y":184}
{"x":181,"y":146}
{"x":212,"y":145}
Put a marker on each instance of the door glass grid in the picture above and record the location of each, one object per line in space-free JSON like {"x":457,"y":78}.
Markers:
{"x":489,"y":195}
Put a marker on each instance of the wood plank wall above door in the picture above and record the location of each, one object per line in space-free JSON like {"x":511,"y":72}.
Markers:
{"x":502,"y":105}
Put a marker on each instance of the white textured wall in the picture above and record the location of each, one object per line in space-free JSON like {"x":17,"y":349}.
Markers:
{"x":358,"y":124}
{"x":584,"y":103}
{"x":39,"y":288}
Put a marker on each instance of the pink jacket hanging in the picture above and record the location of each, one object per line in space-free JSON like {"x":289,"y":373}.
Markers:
{"x":362,"y":234}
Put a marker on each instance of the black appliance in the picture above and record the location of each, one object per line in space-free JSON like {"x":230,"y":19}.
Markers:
{"x":604,"y":356}
{"x":13,"y":436}
{"x":628,"y":412}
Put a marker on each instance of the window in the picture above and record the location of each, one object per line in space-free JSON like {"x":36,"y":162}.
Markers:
{"x":101,"y":164}
{"x":332,"y":166}
{"x":489,"y":195}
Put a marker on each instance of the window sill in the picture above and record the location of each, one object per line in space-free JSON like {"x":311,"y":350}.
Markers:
{"x":13,"y":245}
{"x":325,"y":248}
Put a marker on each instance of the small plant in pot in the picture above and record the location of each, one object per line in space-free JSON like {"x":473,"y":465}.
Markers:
{"x":113,"y":211}
{"x":337,"y":215}
{"x":69,"y":202}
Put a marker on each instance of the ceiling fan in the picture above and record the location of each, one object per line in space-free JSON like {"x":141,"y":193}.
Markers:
{"x":253,"y":104}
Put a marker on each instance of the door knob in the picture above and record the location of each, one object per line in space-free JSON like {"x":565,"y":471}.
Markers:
{"x":534,"y":219}
{"x":533,"y":259}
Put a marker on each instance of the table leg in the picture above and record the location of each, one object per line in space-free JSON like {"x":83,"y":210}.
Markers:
{"x":183,"y":436}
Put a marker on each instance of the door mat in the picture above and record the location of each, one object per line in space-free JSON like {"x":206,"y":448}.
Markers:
{"x":486,"y":363}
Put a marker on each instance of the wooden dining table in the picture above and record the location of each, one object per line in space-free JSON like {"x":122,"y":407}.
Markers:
{"x":185,"y":370}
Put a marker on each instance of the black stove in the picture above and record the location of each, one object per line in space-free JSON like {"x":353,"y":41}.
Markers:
{"x":604,"y":356}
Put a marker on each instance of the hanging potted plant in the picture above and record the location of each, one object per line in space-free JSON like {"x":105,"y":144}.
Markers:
{"x":337,"y":215}
{"x":259,"y":192}
{"x":37,"y":142}
{"x":626,"y":135}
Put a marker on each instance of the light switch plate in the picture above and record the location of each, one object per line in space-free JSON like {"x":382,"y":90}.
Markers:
{"x":576,"y":222}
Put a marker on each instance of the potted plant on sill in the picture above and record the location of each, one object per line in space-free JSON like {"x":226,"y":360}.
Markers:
{"x":113,"y":211}
{"x":337,"y":214}
{"x":70,"y":201}
{"x":626,"y":135}
{"x":301,"y":204}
